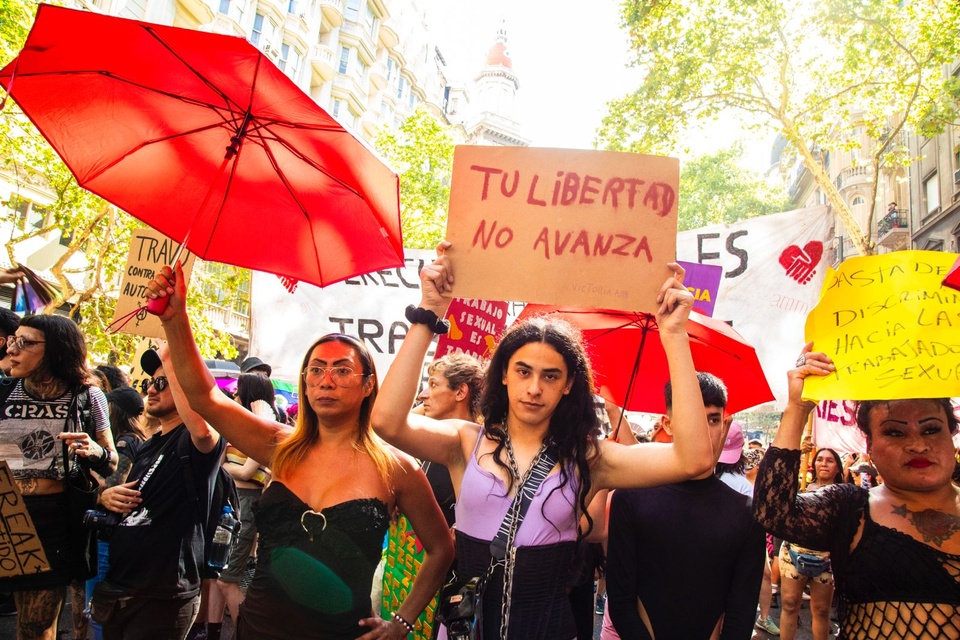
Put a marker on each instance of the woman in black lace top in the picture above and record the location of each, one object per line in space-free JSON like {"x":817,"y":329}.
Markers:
{"x":322,"y":521}
{"x":895,"y":548}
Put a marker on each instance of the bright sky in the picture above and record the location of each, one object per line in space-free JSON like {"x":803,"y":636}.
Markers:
{"x":570,"y":57}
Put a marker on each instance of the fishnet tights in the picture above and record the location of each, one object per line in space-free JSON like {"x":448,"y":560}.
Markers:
{"x":899,"y":621}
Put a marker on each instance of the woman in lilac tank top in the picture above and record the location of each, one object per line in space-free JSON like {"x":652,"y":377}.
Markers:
{"x":538,"y":394}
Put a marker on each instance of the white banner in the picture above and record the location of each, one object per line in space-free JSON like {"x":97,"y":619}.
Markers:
{"x":773,"y":267}
{"x":371,"y":306}
{"x":835,"y":427}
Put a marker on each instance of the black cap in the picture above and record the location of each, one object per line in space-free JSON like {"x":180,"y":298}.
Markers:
{"x":253,"y":362}
{"x":150,"y":361}
{"x":127,"y":399}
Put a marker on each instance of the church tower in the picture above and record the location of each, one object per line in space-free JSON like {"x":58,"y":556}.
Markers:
{"x":495,"y":93}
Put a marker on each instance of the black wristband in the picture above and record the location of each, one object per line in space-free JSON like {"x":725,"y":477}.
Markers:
{"x":102,"y":464}
{"x":419,"y":315}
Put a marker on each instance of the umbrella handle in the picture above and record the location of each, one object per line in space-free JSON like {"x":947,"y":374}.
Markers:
{"x":156,"y":306}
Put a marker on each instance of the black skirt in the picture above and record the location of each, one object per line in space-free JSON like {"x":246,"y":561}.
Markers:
{"x":539,"y":607}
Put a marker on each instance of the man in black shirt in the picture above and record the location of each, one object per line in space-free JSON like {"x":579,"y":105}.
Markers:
{"x":156,"y":551}
{"x":690,"y":552}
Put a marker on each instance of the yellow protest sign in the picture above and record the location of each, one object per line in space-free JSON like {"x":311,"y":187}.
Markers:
{"x":892,"y":330}
{"x":558,"y":226}
{"x":150,"y":251}
{"x":20,"y":550}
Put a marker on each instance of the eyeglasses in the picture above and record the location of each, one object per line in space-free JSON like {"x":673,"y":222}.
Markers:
{"x":21,"y":343}
{"x":341,"y":376}
{"x":160,"y":383}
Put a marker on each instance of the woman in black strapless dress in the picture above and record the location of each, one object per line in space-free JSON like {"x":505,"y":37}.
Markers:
{"x":323,"y":519}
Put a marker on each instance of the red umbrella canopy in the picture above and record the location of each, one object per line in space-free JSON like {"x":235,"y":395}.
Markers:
{"x":628,"y":359}
{"x":143,"y":115}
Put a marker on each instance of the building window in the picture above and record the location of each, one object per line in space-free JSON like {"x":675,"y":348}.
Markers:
{"x":257,"y":31}
{"x":352,"y":12}
{"x":290,"y":61}
{"x":292,"y":7}
{"x":344,"y":59}
{"x":391,"y":69}
{"x":401,"y":87}
{"x":931,"y":191}
{"x":338,"y":107}
{"x":225,"y":6}
{"x":370,"y":21}
{"x":857,"y":200}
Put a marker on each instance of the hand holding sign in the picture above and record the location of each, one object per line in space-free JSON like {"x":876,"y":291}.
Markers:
{"x":436,"y":281}
{"x":675,"y":303}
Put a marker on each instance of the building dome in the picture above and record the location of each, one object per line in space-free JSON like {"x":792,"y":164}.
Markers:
{"x":498,"y":56}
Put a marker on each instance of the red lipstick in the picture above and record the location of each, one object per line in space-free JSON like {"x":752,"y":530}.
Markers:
{"x":919,"y":463}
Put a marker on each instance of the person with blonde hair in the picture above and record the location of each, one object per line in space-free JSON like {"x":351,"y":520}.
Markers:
{"x":335,"y":483}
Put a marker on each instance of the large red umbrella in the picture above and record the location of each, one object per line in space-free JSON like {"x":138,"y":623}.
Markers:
{"x":628,"y":359}
{"x":203,"y":138}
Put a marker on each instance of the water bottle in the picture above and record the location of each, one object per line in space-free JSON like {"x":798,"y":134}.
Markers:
{"x":222,"y":539}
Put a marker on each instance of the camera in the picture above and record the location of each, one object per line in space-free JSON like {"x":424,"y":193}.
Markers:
{"x":100,"y":520}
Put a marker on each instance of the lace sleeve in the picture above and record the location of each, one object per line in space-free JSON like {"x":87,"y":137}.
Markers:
{"x":819,"y":520}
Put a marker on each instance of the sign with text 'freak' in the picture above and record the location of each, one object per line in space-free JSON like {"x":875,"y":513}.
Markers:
{"x":20,"y":550}
{"x":150,"y":251}
{"x":892,"y":330}
{"x":556,"y":226}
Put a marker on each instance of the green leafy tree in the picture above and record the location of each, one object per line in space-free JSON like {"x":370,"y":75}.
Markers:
{"x":811,"y":70}
{"x":715,"y":188}
{"x":89,"y":226}
{"x":421,"y":152}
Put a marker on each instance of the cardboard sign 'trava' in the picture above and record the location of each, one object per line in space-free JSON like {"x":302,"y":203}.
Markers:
{"x":20,"y":550}
{"x":150,"y":251}
{"x":556,"y":226}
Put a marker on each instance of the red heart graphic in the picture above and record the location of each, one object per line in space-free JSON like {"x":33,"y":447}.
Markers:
{"x":801,"y":264}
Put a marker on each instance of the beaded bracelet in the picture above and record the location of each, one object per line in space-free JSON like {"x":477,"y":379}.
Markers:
{"x":406,"y":625}
{"x":419,"y":315}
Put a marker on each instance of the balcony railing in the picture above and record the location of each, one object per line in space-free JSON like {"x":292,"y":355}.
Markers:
{"x":846,"y":176}
{"x":893,"y":229}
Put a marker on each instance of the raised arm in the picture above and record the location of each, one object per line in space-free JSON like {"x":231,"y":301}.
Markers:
{"x":807,"y":519}
{"x":690,"y":454}
{"x":254,"y":436}
{"x":204,"y":438}
{"x":422,"y":437}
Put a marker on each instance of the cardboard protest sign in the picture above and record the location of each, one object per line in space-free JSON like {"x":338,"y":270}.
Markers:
{"x":556,"y":226}
{"x":150,"y":251}
{"x":20,"y":550}
{"x":703,"y":281}
{"x":890,"y":327}
{"x":475,"y":326}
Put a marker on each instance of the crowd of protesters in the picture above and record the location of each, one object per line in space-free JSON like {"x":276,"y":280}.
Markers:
{"x":511,"y":473}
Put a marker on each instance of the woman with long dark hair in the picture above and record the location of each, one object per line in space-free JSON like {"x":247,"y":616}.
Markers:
{"x":323,"y":518}
{"x":828,"y":469}
{"x":538,"y":399}
{"x":48,"y":368}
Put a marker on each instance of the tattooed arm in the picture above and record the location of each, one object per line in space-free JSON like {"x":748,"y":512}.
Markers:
{"x":119,"y":476}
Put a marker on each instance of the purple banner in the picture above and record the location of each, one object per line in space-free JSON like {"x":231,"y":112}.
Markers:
{"x":703,"y":281}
